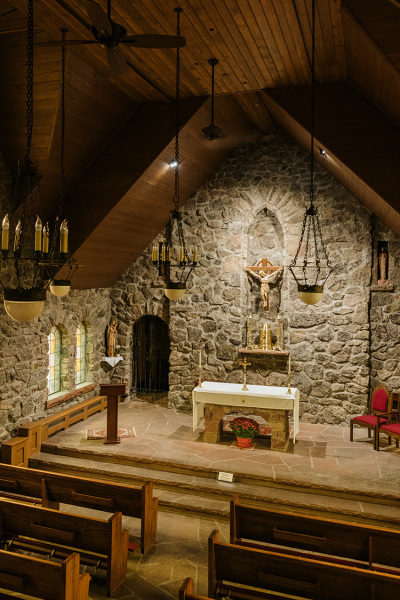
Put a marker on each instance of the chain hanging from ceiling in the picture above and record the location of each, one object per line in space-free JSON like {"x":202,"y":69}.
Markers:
{"x":174,"y":266}
{"x":311,"y":266}
{"x":33,"y":262}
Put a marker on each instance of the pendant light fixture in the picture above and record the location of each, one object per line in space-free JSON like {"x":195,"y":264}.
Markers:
{"x":311,"y":269}
{"x":212,"y":132}
{"x":174,"y":266}
{"x":34,"y":264}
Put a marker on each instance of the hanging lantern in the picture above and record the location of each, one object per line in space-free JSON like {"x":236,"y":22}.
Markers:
{"x":36,"y":266}
{"x":311,"y":266}
{"x":170,"y":257}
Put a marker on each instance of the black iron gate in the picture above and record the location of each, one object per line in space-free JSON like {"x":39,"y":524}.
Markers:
{"x":151,"y":349}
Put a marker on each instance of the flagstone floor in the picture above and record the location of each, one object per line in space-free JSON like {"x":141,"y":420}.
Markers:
{"x":321,"y":456}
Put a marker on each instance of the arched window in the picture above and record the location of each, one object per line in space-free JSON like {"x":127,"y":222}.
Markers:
{"x":54,"y":375}
{"x":80,"y":361}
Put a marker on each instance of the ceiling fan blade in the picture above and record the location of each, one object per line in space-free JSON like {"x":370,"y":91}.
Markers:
{"x":98,"y":17}
{"x":155,"y":41}
{"x":116,"y":60}
{"x":66,"y":43}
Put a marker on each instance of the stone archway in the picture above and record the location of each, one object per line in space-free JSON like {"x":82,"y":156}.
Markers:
{"x":151,"y":350}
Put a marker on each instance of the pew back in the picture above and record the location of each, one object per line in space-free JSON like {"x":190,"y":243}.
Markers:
{"x":94,"y":536}
{"x":186,"y":591}
{"x":43,"y":579}
{"x":369,"y":544}
{"x":56,"y":488}
{"x":236,"y":568}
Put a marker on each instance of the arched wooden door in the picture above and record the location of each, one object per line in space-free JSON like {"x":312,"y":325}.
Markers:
{"x":151,"y":349}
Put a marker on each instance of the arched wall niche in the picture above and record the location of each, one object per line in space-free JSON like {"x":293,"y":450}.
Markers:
{"x":265,"y":239}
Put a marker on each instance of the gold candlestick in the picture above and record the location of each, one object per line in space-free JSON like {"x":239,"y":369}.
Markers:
{"x":245,"y":364}
{"x":200,"y":370}
{"x":278,"y":333}
{"x":249,"y":334}
{"x":289,"y":391}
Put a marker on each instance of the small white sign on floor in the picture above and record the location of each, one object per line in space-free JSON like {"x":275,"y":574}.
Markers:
{"x":225,"y":476}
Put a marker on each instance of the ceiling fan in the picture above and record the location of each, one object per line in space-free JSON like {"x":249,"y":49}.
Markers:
{"x":109,"y":35}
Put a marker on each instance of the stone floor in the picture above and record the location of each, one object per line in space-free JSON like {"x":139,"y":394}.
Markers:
{"x":321,"y":456}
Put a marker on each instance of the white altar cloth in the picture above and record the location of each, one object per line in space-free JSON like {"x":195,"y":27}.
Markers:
{"x":257,"y":396}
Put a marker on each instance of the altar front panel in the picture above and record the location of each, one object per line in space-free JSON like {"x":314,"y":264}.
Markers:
{"x":257,"y":396}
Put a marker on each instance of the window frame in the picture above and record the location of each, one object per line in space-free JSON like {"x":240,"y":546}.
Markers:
{"x":54,"y":360}
{"x":81,"y":354}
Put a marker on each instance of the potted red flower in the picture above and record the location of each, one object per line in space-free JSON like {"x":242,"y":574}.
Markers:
{"x":244,"y":429}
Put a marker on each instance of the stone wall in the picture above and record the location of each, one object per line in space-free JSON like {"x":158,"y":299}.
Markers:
{"x":252,"y":208}
{"x":24,"y":355}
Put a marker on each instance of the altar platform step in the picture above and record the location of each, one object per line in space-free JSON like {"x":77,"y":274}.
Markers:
{"x":186,"y":489}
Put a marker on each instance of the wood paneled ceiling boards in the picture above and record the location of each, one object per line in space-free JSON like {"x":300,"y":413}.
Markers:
{"x":263,"y":48}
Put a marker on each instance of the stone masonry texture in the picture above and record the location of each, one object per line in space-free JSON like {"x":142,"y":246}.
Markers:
{"x":253,"y":208}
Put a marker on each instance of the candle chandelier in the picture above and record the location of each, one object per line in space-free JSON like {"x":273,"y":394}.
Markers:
{"x":312,"y":269}
{"x":34,"y":259}
{"x":174,"y":266}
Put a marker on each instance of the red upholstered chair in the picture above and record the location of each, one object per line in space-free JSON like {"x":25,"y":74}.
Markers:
{"x":391,"y":429}
{"x":380,"y":405}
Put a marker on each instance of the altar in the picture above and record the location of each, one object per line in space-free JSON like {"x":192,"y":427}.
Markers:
{"x":213,"y":400}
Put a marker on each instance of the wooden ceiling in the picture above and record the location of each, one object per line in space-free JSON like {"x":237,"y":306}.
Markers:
{"x":120,"y":129}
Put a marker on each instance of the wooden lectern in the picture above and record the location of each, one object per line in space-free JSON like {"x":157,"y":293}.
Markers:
{"x":113,"y":391}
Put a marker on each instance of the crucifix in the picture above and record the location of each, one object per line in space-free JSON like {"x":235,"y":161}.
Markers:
{"x":244,"y":364}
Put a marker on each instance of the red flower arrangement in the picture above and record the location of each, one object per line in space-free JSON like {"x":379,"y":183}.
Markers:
{"x":244,"y":428}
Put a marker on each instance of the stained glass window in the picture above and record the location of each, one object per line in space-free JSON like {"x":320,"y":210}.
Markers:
{"x":80,"y":361}
{"x":54,"y":374}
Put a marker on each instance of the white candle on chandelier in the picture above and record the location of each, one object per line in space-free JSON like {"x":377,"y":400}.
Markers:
{"x":5,"y":235}
{"x":46,"y":239}
{"x":17,"y":235}
{"x":163,"y":252}
{"x":154,"y":253}
{"x":64,"y":237}
{"x":181,"y":255}
{"x":38,"y":235}
{"x":195,"y":254}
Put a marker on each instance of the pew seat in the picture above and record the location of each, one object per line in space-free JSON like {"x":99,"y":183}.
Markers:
{"x":51,"y":489}
{"x":43,"y":579}
{"x":363,"y":546}
{"x":103,"y":544}
{"x":241,"y":572}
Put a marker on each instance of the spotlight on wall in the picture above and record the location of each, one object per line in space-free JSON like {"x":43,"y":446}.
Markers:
{"x":322,"y":152}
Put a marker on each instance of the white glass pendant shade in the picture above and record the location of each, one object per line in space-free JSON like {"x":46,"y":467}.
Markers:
{"x":24,"y":305}
{"x":174,"y":290}
{"x":60,"y":287}
{"x":310,"y":294}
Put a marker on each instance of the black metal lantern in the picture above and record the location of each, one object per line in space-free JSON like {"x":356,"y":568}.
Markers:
{"x":173,"y":263}
{"x":311,"y":266}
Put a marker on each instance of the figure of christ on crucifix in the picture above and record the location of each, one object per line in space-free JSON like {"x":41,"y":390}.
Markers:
{"x":266,"y":274}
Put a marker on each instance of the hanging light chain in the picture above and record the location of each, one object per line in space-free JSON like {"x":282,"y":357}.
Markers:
{"x":177,"y":109}
{"x":29,"y":84}
{"x":312,"y":103}
{"x":61,"y":205}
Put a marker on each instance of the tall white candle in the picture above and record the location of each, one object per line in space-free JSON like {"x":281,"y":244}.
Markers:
{"x":199,"y":358}
{"x":290,"y":357}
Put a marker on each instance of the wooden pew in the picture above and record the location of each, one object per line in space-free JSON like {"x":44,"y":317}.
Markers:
{"x":102,"y":543}
{"x":252,"y":573}
{"x":366,"y":546}
{"x":186,"y":591}
{"x":42,"y":578}
{"x":56,"y":488}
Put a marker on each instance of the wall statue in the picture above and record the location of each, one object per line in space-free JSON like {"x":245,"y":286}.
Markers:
{"x":382,"y":264}
{"x":111,"y":338}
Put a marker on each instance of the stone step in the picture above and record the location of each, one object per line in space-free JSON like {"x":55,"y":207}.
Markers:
{"x":188,"y":490}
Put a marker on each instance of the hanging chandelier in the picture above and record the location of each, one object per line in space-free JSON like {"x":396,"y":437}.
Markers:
{"x":174,"y":265}
{"x":212,"y":132}
{"x":34,"y":260}
{"x":312,"y":268}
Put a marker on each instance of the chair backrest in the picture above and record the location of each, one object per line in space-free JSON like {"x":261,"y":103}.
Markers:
{"x":380,"y":399}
